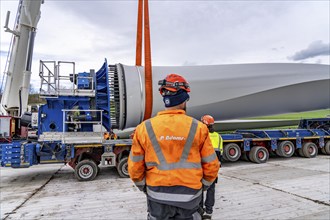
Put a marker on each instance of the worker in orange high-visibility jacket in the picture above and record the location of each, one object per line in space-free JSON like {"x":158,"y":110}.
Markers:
{"x":172,"y":158}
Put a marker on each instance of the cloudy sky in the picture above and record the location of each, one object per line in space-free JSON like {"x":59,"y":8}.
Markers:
{"x":182,"y":32}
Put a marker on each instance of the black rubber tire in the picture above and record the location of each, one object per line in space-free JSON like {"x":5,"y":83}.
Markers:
{"x":278,"y":152}
{"x":300,"y":152}
{"x":309,"y":149}
{"x":327,"y":147}
{"x":231,"y":152}
{"x":251,"y":157}
{"x":259,"y":154}
{"x":224,"y":157}
{"x":245,"y":156}
{"x":86,"y":170}
{"x":285,"y":149}
{"x":323,"y":150}
{"x":122,"y":167}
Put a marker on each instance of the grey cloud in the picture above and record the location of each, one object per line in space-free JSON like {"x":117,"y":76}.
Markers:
{"x":116,"y":15}
{"x":316,"y":48}
{"x":200,"y":30}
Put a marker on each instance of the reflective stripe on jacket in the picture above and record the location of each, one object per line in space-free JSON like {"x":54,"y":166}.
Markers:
{"x":173,"y":155}
{"x":217,"y":141}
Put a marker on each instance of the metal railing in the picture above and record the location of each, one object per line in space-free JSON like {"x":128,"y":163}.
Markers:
{"x":54,"y":83}
{"x":78,"y":134}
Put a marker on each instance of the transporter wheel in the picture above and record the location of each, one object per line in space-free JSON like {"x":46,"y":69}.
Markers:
{"x":231,"y":152}
{"x":309,"y":149}
{"x":123,"y":167}
{"x":224,"y":157}
{"x":327,"y":148}
{"x":259,"y":154}
{"x":278,"y":152}
{"x":300,"y":152}
{"x":285,"y":149}
{"x":323,"y":150}
{"x":245,"y":156}
{"x":86,"y":170}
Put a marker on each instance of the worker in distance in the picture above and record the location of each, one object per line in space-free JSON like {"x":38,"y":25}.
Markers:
{"x":172,"y":159}
{"x":217,"y":144}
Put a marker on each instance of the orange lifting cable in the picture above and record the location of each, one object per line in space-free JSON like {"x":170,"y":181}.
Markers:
{"x":147,"y":61}
{"x":138,"y":60}
{"x":147,"y":55}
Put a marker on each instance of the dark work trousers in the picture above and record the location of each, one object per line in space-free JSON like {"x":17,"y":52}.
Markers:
{"x":209,"y":200}
{"x":210,"y":193}
{"x":158,"y":211}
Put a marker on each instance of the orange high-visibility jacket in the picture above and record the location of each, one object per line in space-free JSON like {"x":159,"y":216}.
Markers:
{"x":173,"y":156}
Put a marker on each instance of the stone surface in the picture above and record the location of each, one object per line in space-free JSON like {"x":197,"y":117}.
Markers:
{"x":293,"y":188}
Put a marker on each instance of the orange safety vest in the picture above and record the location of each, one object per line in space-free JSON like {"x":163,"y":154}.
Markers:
{"x":173,"y":155}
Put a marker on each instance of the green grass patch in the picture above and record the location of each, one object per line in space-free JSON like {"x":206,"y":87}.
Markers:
{"x":293,"y":116}
{"x":299,"y":115}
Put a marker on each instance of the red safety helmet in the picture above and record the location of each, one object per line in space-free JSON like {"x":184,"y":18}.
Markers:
{"x":208,"y":120}
{"x":172,"y":84}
